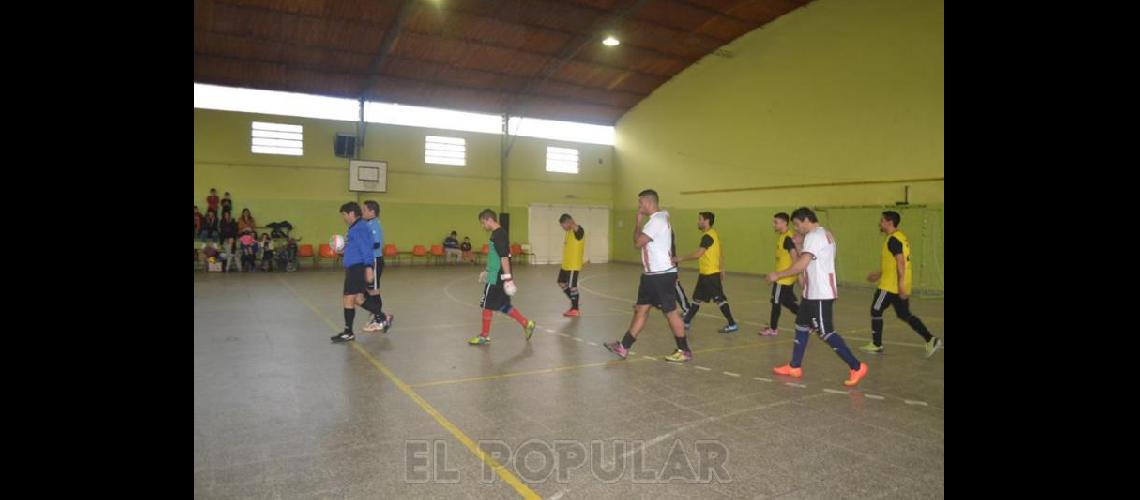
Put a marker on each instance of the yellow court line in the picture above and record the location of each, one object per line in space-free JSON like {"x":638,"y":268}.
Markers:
{"x":519,"y":374}
{"x":575,"y":367}
{"x":503,"y":473}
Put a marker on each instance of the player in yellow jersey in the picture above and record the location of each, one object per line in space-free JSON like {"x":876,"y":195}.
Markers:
{"x":895,"y":286}
{"x":573,"y":250}
{"x":710,"y":258}
{"x":786,"y":254}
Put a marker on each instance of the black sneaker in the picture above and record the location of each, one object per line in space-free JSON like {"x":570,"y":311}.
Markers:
{"x":388,"y":321}
{"x":344,"y":336}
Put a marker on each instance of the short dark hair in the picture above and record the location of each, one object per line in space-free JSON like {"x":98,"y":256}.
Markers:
{"x":488,"y":214}
{"x":453,"y":232}
{"x":564,"y":218}
{"x":351,"y":206}
{"x":651,"y":194}
{"x":709,"y":216}
{"x":783,"y":216}
{"x":227,"y":192}
{"x":213,"y":189}
{"x":804,"y":213}
{"x":893,"y":216}
{"x":373,"y":206}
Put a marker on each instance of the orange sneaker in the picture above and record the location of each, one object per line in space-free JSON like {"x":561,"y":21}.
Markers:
{"x":571,"y":313}
{"x":789,"y":371}
{"x":856,"y":375}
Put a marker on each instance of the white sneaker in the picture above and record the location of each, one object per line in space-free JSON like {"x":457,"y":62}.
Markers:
{"x":373,"y":326}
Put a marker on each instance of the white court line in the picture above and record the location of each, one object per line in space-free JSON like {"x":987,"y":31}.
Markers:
{"x":730,"y":374}
{"x":762,"y":379}
{"x":919,"y":403}
{"x":577,"y":339}
{"x":430,"y":327}
{"x":705,"y":420}
{"x":703,"y":368}
{"x":447,"y":291}
{"x":833,"y":391}
{"x":592,"y":343}
{"x":793,"y":384}
{"x":885,"y":342}
{"x":875,"y":396}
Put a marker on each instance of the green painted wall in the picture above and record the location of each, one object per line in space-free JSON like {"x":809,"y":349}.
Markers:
{"x":423,"y":202}
{"x":834,"y":91}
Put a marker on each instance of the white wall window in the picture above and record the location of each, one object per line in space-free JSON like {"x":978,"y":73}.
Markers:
{"x":277,"y":139}
{"x":561,"y":131}
{"x":439,"y":150}
{"x":421,"y":116}
{"x":341,"y":109}
{"x":272,"y":102}
{"x":561,"y":160}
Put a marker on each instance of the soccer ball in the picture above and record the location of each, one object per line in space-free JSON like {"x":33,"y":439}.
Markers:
{"x":337,"y":243}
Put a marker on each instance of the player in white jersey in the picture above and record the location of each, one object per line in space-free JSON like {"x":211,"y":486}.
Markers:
{"x":817,"y":259}
{"x":658,"y":278}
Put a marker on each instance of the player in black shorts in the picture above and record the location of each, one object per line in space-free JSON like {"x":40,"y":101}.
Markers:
{"x":498,"y":285}
{"x":358,"y":262}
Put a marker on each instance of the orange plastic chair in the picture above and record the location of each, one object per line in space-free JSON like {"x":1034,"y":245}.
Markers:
{"x":517,"y":254}
{"x":389,"y":252}
{"x":419,"y":251}
{"x":326,"y":252}
{"x":306,"y":250}
{"x":486,"y":250}
{"x":437,"y":252}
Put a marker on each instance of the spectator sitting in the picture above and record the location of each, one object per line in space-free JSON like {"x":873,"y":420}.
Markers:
{"x":210,"y":249}
{"x":266,"y":252}
{"x":227,"y":227}
{"x":209,"y":231}
{"x":451,"y":246}
{"x":246,"y":222}
{"x":229,"y":256}
{"x":248,"y":252}
{"x":197,"y":222}
{"x":466,"y":248}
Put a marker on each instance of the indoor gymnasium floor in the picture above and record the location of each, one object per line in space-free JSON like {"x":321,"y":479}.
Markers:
{"x":280,"y":412}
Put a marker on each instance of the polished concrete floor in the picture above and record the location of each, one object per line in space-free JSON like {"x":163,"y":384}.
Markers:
{"x":280,"y":412}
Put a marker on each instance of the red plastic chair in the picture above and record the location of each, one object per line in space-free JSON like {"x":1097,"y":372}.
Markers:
{"x":419,"y":251}
{"x":326,"y":252}
{"x":306,"y":251}
{"x":390,"y":252}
